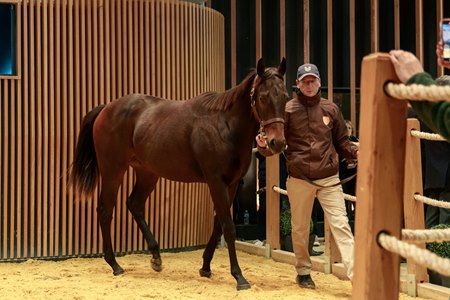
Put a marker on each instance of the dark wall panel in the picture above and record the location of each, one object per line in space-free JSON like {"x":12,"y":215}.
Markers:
{"x":246,"y":38}
{"x":271,"y":32}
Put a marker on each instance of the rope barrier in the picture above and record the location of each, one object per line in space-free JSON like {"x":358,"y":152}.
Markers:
{"x":349,"y":197}
{"x":427,"y":135}
{"x":420,"y":256}
{"x":426,"y":235}
{"x":284,"y":192}
{"x":418,"y":92}
{"x":433,"y":202}
{"x":279,"y":190}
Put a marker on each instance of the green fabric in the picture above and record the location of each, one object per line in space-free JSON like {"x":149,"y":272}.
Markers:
{"x":435,"y":114}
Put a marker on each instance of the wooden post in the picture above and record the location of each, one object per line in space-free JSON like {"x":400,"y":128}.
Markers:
{"x":380,"y":181}
{"x":413,"y":210}
{"x":272,"y":202}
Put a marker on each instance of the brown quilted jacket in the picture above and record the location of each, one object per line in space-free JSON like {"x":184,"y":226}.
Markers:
{"x":315,"y":133}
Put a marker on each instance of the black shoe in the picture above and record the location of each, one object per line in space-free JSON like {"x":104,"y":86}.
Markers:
{"x":315,"y":253}
{"x":305,"y":281}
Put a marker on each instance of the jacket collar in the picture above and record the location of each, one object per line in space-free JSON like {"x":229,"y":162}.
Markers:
{"x":309,"y":101}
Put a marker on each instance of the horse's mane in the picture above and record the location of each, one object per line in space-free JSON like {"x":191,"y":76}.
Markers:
{"x":223,"y":101}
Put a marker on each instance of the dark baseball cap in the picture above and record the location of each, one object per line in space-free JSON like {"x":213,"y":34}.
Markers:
{"x":306,"y":70}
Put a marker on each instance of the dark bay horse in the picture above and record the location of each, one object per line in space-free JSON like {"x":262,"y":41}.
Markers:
{"x":208,"y":139}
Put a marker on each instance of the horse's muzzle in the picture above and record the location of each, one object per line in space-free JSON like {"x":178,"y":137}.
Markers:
{"x":277,"y":145}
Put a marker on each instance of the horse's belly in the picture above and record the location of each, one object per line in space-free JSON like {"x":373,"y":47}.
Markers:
{"x":176,"y":168}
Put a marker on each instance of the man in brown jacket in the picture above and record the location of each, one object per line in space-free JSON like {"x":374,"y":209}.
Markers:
{"x":316,"y":133}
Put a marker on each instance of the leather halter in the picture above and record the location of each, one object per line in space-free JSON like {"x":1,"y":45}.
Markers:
{"x":262,"y":123}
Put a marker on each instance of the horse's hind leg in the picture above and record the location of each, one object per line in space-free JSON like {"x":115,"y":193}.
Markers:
{"x":107,"y":202}
{"x":145,"y":183}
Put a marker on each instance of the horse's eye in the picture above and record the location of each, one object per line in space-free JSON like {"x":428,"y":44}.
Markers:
{"x":263,"y":98}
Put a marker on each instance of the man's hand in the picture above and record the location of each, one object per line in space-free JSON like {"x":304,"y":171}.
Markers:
{"x":406,"y":64}
{"x":261,"y":144}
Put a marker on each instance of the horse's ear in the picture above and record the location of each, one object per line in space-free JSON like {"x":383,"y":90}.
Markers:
{"x":260,"y":67}
{"x":282,"y":67}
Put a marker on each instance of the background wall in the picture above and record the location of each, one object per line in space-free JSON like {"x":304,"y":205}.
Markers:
{"x":71,"y":57}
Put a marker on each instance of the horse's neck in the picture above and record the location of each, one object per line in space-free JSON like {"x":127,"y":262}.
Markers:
{"x":242,"y":120}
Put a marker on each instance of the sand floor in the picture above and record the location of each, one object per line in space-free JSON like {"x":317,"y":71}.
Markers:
{"x":91,"y":278}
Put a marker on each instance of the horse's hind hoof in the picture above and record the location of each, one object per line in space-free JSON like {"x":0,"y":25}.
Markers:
{"x":156,"y":264}
{"x":118,"y":271}
{"x":205,"y":273}
{"x":243,"y":286}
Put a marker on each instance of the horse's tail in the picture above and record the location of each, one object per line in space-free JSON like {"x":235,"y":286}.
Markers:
{"x":84,"y":171}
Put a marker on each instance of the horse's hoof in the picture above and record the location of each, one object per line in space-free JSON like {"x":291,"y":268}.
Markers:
{"x":204,"y":273}
{"x":156,"y":264}
{"x":243,"y":286}
{"x":118,"y":271}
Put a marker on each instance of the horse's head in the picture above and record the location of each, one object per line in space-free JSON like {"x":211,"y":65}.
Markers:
{"x":268,"y":98}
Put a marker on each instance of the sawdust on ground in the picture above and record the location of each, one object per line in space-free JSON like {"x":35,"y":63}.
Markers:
{"x":91,"y":278}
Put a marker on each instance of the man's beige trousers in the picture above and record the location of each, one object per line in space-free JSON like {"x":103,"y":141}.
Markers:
{"x":301,"y":198}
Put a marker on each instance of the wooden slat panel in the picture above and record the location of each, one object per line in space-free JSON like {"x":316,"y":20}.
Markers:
{"x":396,"y":24}
{"x":32,"y":131}
{"x":330,"y":48}
{"x":352,"y":63}
{"x":374,"y":23}
{"x":60,"y":234}
{"x":439,"y":16}
{"x":54,"y":176}
{"x":45,"y":130}
{"x":419,"y":29}
{"x":69,"y":126}
{"x":76,"y":55}
{"x":80,"y":217}
{"x":82,"y":106}
{"x":19,"y":174}
{"x":39,"y":134}
{"x":5,"y":197}
{"x":306,"y":37}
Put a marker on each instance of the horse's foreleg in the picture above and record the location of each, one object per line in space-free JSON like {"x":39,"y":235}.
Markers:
{"x":105,"y":210}
{"x":221,"y":200}
{"x":136,"y":205}
{"x":208,"y":254}
{"x":229,"y":233}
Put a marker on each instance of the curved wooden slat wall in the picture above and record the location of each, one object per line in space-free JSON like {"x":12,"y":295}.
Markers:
{"x":72,"y":56}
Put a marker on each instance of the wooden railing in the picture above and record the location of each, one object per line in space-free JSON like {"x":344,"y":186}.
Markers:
{"x":389,"y":175}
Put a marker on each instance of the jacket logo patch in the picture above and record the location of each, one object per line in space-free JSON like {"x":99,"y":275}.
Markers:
{"x":326,"y":120}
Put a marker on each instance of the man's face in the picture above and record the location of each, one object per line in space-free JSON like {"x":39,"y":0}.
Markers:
{"x":309,"y":85}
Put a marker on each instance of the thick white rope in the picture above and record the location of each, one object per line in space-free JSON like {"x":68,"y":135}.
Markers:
{"x":284,"y":192}
{"x":280,"y":190}
{"x":433,"y":202}
{"x":349,"y":197}
{"x":426,"y":235}
{"x":418,"y":92}
{"x":427,"y":136}
{"x":420,"y":256}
